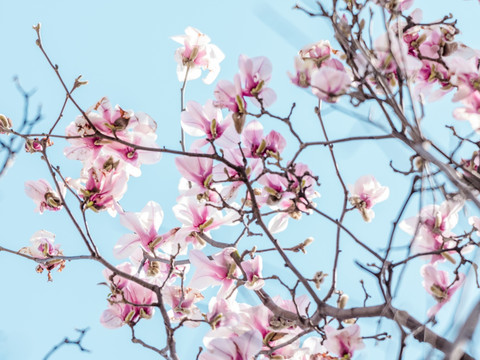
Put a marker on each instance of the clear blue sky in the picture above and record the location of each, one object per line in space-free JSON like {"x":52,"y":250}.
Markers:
{"x":124,"y":50}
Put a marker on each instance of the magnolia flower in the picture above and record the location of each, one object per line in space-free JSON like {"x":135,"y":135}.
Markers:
{"x":367,"y":192}
{"x":343,"y":342}
{"x":208,"y":121}
{"x":316,"y":52}
{"x":432,"y":229}
{"x":221,"y":270}
{"x":255,"y":74}
{"x":195,"y":55}
{"x":145,"y":225}
{"x":223,"y":344}
{"x":182,"y":301}
{"x":329,"y":83}
{"x":437,"y":284}
{"x":128,"y":301}
{"x":43,"y":248}
{"x":43,"y":195}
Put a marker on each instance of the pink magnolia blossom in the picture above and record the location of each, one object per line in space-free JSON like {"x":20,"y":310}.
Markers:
{"x":198,"y":218}
{"x":103,"y":186}
{"x":303,"y":72}
{"x":312,"y":349}
{"x":367,"y":192}
{"x":196,"y":169}
{"x":128,"y":301}
{"x":230,"y":95}
{"x":343,"y":342}
{"x":395,"y":5}
{"x":195,"y":55}
{"x":221,"y":270}
{"x":145,"y":225}
{"x":208,"y":121}
{"x":43,"y":248}
{"x":253,"y":270}
{"x":276,"y":330}
{"x":44,"y":196}
{"x":437,"y":284}
{"x":136,"y":128}
{"x":329,"y":83}
{"x":255,"y":74}
{"x":432,"y":228}
{"x":316,"y":52}
{"x":223,"y":344}
{"x":223,"y":312}
{"x":230,"y":178}
{"x":182,"y":301}
{"x":159,"y":271}
{"x":256,"y":145}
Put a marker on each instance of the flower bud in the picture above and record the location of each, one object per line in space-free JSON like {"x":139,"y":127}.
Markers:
{"x":5,"y":124}
{"x":319,"y":278}
{"x":342,"y":301}
{"x":33,"y":146}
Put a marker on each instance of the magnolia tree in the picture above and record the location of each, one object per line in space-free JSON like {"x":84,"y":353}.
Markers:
{"x":239,"y":175}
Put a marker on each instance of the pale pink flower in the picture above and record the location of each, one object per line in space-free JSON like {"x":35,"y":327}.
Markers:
{"x":253,"y":270}
{"x":195,"y":55}
{"x":317,"y":52}
{"x":131,"y":157}
{"x":256,"y":145}
{"x":343,"y":342}
{"x":223,"y":173}
{"x":137,"y":128}
{"x":329,"y":83}
{"x":437,"y":284}
{"x":157,"y":272}
{"x":182,"y":301}
{"x":367,"y":192}
{"x":312,"y":349}
{"x":395,"y":5}
{"x":198,"y":218}
{"x":223,"y":312}
{"x":303,"y":72}
{"x":43,"y":248}
{"x":44,"y":196}
{"x":145,"y":225}
{"x":208,"y":121}
{"x":230,"y":95}
{"x":196,"y":169}
{"x":223,"y":344}
{"x":128,"y":301}
{"x":221,"y":270}
{"x":103,"y":187}
{"x":432,"y":228}
{"x":255,"y":74}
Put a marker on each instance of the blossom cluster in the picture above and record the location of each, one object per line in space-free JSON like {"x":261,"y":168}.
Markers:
{"x":234,"y":173}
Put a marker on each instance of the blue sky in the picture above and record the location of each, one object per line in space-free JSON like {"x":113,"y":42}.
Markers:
{"x":123,"y":49}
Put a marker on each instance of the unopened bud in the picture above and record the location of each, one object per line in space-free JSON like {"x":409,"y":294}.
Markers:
{"x":238,"y":121}
{"x":418,"y":162}
{"x":5,"y":124}
{"x":342,"y":301}
{"x":319,"y":278}
{"x":33,"y":146}
{"x":449,"y":257}
{"x":308,"y":241}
